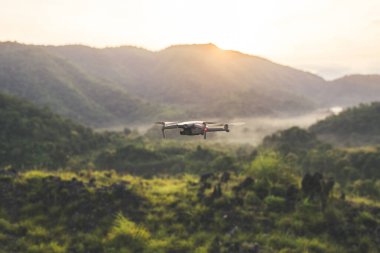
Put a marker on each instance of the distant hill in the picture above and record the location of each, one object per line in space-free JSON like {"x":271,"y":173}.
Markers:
{"x":354,"y":89}
{"x":292,"y":140}
{"x":35,"y":137}
{"x":202,"y":79}
{"x":104,"y":87}
{"x":353,"y":127}
{"x":46,"y":79}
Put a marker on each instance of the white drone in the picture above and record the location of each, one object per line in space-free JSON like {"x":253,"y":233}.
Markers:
{"x":196,"y":127}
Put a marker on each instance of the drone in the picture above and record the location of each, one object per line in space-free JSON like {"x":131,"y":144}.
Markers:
{"x":196,"y":127}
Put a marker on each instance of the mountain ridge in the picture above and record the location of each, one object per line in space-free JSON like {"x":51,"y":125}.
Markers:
{"x":199,"y":80}
{"x":46,"y":79}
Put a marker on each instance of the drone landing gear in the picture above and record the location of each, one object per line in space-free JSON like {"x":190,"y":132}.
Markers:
{"x":163,"y":132}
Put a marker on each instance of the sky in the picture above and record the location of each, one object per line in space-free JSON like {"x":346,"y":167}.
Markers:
{"x":330,"y":38}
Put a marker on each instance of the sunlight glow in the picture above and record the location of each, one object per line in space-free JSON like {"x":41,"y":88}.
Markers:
{"x":329,"y":37}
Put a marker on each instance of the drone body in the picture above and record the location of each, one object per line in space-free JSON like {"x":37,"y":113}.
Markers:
{"x":194,"y":127}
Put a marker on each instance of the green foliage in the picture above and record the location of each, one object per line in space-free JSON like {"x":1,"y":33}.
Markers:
{"x":270,"y":166}
{"x":352,"y":127}
{"x":260,"y":205}
{"x":6,"y":226}
{"x":51,"y":212}
{"x":34,"y":137}
{"x":293,"y":140}
{"x":149,"y":158}
{"x":369,"y":188}
{"x":126,"y":234}
{"x":125,"y":227}
{"x":48,"y":79}
{"x":275,"y":204}
{"x":355,"y":169}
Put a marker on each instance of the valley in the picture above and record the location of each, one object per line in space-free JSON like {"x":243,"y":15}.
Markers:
{"x":83,"y":168}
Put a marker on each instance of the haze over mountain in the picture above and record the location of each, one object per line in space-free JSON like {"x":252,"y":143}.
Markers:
{"x":103,"y":87}
{"x":354,"y":89}
{"x":200,"y":78}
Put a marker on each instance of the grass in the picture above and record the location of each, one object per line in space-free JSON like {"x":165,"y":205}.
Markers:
{"x":363,"y":201}
{"x":175,"y":218}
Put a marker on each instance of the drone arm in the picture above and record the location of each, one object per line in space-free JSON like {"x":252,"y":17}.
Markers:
{"x":218,"y":129}
{"x":170,"y":126}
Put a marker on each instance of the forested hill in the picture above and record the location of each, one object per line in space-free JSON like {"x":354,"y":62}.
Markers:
{"x":109,"y":86}
{"x":209,"y":80}
{"x":354,"y":126}
{"x":33,"y":73}
{"x":200,"y":78}
{"x":34,"y":137}
{"x":292,"y":194}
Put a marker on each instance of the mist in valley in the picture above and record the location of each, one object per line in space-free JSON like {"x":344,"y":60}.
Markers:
{"x":256,"y":128}
{"x":251,"y":132}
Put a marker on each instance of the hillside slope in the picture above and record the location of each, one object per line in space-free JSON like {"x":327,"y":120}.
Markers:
{"x":33,"y":73}
{"x":205,"y":79}
{"x":201,"y":78}
{"x":104,"y":87}
{"x":354,"y":126}
{"x":35,"y":137}
{"x":354,"y":89}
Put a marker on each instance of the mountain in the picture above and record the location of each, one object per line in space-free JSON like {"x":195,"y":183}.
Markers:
{"x":104,"y":87}
{"x":202,"y":79}
{"x":353,"y":127}
{"x":354,"y":89}
{"x":46,"y":79}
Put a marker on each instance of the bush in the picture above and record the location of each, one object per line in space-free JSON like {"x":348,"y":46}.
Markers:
{"x":127,"y":233}
{"x":275,"y":204}
{"x":269,"y":166}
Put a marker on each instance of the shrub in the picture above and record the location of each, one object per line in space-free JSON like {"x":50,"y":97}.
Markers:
{"x":274,"y":203}
{"x":271,"y":167}
{"x":127,"y":233}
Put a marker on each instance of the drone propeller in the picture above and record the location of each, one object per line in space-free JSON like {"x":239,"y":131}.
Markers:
{"x":236,"y":124}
